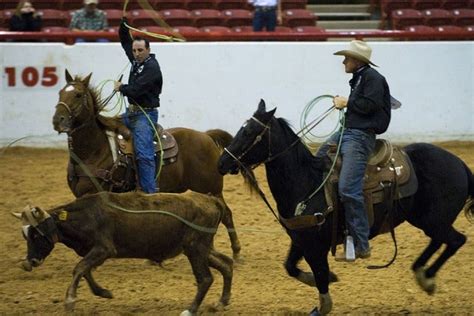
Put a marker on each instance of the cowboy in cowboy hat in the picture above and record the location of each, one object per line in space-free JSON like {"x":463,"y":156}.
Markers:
{"x":367,"y":113}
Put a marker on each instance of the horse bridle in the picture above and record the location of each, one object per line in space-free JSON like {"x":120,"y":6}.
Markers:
{"x":72,"y":114}
{"x":258,"y":139}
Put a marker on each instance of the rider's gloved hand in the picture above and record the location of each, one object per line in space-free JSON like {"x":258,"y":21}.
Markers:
{"x":339,"y":102}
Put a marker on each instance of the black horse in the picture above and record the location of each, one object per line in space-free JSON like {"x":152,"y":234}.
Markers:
{"x":293,"y":173}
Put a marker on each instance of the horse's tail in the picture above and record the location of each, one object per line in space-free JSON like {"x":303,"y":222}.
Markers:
{"x":220,"y":137}
{"x":469,"y":206}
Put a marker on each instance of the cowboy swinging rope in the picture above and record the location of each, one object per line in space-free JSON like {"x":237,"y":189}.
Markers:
{"x":144,"y":4}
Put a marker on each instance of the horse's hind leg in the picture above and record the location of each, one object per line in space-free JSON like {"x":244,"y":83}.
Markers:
{"x":95,"y":287}
{"x":426,"y":276}
{"x":228,"y":222}
{"x":224,"y":265}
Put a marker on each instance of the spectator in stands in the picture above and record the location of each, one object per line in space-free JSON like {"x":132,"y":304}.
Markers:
{"x":267,"y":14}
{"x":143,"y":92}
{"x":25,"y":19}
{"x":368,"y":113}
{"x":89,"y":18}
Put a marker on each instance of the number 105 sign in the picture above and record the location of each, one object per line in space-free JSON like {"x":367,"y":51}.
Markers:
{"x":30,"y":77}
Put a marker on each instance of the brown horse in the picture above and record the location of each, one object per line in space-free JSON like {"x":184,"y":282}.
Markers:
{"x":91,"y":158}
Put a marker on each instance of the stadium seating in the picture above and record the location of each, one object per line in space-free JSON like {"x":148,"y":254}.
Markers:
{"x":455,"y":4}
{"x":112,"y":29}
{"x":237,"y":17}
{"x":463,"y":17}
{"x":53,"y":17}
{"x":283,"y":29}
{"x":114,"y":16}
{"x":186,"y":29}
{"x":244,"y":28}
{"x":207,"y":17}
{"x":132,"y":4}
{"x":449,"y":29}
{"x":74,"y":5}
{"x":216,"y":28}
{"x":200,"y":4}
{"x":108,"y":4}
{"x":426,"y":4}
{"x":177,"y":17}
{"x":232,"y":4}
{"x":308,"y":29}
{"x":55,"y":29}
{"x":387,"y":6}
{"x":9,"y":4}
{"x":144,"y":17}
{"x":299,"y":17}
{"x":155,"y":29}
{"x":435,"y":17}
{"x":420,"y":29}
{"x":293,"y":4}
{"x":406,"y":17}
{"x":170,"y":4}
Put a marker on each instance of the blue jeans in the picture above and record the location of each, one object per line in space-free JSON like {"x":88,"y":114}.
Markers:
{"x":356,"y":147}
{"x":267,"y":19}
{"x":143,"y":133}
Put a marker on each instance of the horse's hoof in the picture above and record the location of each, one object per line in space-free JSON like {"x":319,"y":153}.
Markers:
{"x":186,"y":313}
{"x":105,"y":293}
{"x":238,"y":259}
{"x":333,"y":277}
{"x":224,"y":301}
{"x":69,"y":304}
{"x":26,"y":265}
{"x":427,"y":284}
{"x":325,"y":303}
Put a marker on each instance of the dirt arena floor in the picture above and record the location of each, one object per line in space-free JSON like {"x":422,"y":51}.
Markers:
{"x":260,"y":287}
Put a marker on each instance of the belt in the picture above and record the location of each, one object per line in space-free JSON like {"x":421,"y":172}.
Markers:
{"x":265,"y":8}
{"x":136,"y":108}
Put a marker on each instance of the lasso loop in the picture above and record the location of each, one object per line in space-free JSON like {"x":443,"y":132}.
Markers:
{"x":304,"y":117}
{"x":155,"y":16}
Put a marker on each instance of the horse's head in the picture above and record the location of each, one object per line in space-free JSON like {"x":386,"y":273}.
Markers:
{"x":75,"y":105}
{"x":250,"y":145}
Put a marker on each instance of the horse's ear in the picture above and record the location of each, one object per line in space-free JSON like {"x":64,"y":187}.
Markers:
{"x":87,"y":79}
{"x":68,"y":77}
{"x":261,"y":106}
{"x":272,"y":112}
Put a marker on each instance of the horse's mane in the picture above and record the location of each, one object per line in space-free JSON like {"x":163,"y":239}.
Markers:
{"x":302,"y":150}
{"x":301,"y":161}
{"x":94,"y":92}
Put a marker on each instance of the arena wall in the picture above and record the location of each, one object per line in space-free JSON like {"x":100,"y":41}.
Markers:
{"x":218,"y":85}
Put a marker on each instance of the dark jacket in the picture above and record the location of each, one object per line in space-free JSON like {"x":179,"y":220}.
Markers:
{"x":368,"y":107}
{"x":25,"y":23}
{"x":145,"y":80}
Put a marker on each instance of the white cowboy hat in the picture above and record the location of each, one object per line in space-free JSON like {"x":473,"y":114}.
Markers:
{"x":87,"y":2}
{"x":359,"y":50}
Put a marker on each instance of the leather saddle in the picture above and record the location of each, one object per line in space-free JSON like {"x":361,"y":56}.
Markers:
{"x":389,"y":175}
{"x":165,"y":142}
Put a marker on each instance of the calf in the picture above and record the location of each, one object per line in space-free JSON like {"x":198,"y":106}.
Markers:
{"x":131,"y":225}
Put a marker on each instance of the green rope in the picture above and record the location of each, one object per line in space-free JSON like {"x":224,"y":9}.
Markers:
{"x":304,"y":120}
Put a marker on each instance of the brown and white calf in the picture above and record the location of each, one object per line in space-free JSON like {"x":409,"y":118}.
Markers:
{"x":131,"y":225}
